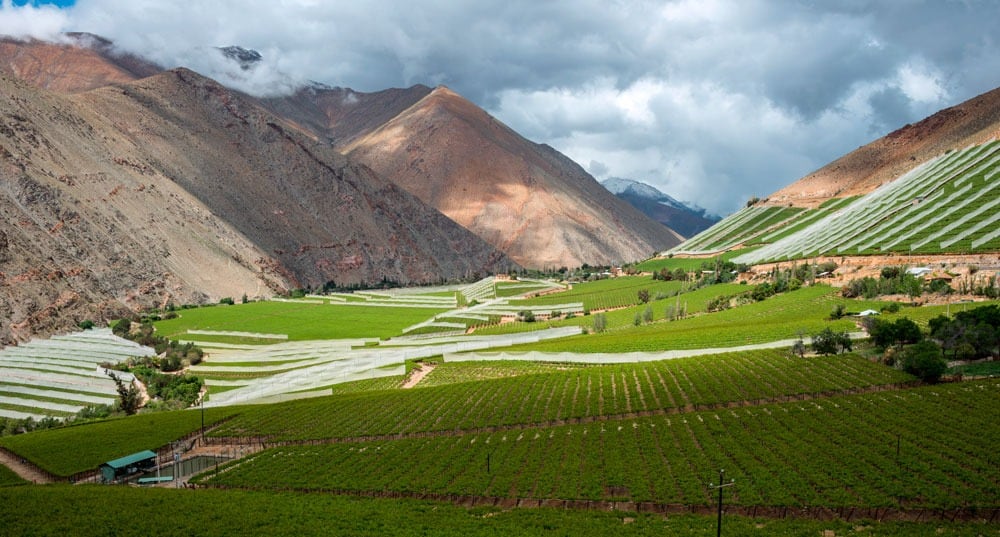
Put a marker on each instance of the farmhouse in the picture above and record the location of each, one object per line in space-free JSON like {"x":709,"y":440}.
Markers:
{"x":128,"y":465}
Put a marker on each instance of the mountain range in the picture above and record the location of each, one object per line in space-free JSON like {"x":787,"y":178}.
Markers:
{"x":126,"y":186}
{"x":681,"y":217}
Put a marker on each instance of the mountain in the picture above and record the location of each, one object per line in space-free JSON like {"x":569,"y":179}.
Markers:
{"x":83,"y":62}
{"x":927,"y":189}
{"x":526,"y":199}
{"x":972,"y":122}
{"x":172,"y":188}
{"x":339,"y":116}
{"x":678,"y":216}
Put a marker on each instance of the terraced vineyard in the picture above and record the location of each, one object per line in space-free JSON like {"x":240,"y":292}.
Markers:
{"x":740,"y":227}
{"x":580,"y":393}
{"x":945,"y":205}
{"x":919,"y":448}
{"x":58,"y":377}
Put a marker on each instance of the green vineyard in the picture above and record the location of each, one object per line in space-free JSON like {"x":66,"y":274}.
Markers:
{"x":917,"y":448}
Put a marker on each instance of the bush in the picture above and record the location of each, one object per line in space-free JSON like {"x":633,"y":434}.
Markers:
{"x":600,"y":323}
{"x":227,"y":300}
{"x":925,"y":361}
{"x":86,"y":324}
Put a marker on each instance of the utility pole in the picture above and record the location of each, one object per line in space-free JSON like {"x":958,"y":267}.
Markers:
{"x":720,"y":486}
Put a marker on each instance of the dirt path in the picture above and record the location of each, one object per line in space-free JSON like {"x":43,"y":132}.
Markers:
{"x":24,"y":469}
{"x":418,"y":375}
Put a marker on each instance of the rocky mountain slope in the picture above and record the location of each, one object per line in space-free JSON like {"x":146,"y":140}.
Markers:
{"x":975,"y":121}
{"x":83,"y":62}
{"x":173,"y":188}
{"x":676,"y":215}
{"x":339,"y":116}
{"x":526,"y":199}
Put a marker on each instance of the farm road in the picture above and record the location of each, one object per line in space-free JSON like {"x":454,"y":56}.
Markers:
{"x":24,"y":469}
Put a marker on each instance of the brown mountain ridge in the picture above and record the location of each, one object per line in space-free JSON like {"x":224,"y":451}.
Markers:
{"x":526,"y":199}
{"x":125,"y":186}
{"x":173,"y":188}
{"x":972,"y":122}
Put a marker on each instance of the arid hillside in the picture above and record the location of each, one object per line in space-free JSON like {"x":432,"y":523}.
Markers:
{"x":340,"y":116}
{"x":866,"y":168}
{"x":173,"y":188}
{"x":526,"y":199}
{"x":83,"y":62}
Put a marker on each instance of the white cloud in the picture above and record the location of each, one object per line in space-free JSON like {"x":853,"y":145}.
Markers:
{"x":921,"y":83}
{"x":710,"y":100}
{"x":27,"y":21}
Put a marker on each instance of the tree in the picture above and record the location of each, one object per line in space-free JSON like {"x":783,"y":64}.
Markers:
{"x":907,"y":331}
{"x":128,"y":395}
{"x":830,"y":342}
{"x":925,"y":361}
{"x":647,"y":315}
{"x":799,"y":348}
{"x":643,"y":295}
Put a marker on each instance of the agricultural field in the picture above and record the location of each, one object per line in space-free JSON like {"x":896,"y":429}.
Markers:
{"x":83,"y":511}
{"x":9,"y":478}
{"x":816,"y":436}
{"x":786,"y":316}
{"x":921,"y":448}
{"x":301,"y":369}
{"x":573,"y":393}
{"x":692,"y":302}
{"x":741,"y":227}
{"x":59,"y":376}
{"x":607,"y":293}
{"x":69,"y":450}
{"x":947,"y":205}
{"x":297,"y":321}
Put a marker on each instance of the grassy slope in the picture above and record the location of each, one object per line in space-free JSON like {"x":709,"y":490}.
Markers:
{"x":780,"y":317}
{"x":297,"y":320}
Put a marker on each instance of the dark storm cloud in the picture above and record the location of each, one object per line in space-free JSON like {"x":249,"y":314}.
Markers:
{"x":711,"y":101}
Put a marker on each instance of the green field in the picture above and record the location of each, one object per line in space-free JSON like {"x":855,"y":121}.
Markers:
{"x":783,"y":316}
{"x":608,"y":293}
{"x":69,"y":450}
{"x":299,"y":321}
{"x":814,"y":437}
{"x":87,"y":511}
{"x":8,"y":477}
{"x":692,"y":302}
{"x":669,"y":385}
{"x":831,"y":452}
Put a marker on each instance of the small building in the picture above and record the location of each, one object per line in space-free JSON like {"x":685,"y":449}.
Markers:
{"x":919,"y":271}
{"x":128,"y":465}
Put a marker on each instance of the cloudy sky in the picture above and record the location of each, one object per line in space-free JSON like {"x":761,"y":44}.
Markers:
{"x":712,"y":101}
